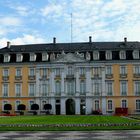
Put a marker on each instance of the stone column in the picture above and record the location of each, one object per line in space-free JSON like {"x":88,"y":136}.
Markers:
{"x":63,"y":106}
{"x":77,"y":106}
{"x":52,"y":102}
{"x":103,"y":102}
{"x":62,"y":83}
{"x":89,"y":106}
{"x":88,"y":82}
{"x":77,"y":83}
{"x":52,"y":83}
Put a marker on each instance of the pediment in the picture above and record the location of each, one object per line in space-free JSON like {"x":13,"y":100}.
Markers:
{"x":69,"y":58}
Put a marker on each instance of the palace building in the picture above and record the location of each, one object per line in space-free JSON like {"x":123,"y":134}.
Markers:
{"x":74,"y":78}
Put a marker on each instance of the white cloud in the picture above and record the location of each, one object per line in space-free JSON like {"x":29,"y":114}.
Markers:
{"x":25,"y":39}
{"x":10,"y":21}
{"x":52,"y":9}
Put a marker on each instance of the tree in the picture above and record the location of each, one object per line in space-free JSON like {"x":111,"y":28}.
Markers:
{"x":35,"y":107}
{"x":47,"y":107}
{"x":7,"y":108}
{"x":21,"y":108}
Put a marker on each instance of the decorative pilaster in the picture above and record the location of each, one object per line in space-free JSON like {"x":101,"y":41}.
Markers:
{"x":52,"y":83}
{"x":77,"y":106}
{"x":77,"y":83}
{"x":62,"y":83}
{"x":63,"y":106}
{"x":88,"y":82}
{"x":103,"y":92}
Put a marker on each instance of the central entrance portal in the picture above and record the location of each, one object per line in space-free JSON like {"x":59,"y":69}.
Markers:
{"x":70,"y":107}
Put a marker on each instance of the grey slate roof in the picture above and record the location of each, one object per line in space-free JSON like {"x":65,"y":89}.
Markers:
{"x":71,"y":47}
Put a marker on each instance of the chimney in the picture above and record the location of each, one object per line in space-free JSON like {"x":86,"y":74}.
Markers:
{"x":54,"y":40}
{"x":8,"y":44}
{"x":125,"y":40}
{"x":90,"y":39}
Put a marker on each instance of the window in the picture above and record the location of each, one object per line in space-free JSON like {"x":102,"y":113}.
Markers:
{"x":32,"y":72}
{"x":137,"y":88}
{"x":70,"y":88}
{"x":17,"y":103}
{"x":6,"y":58}
{"x":87,"y":56}
{"x":45,"y":57}
{"x":108,"y":55}
{"x":97,"y":107}
{"x":31,"y":103}
{"x":19,"y":57}
{"x":57,"y":72}
{"x":109,"y":88}
{"x":82,"y":87}
{"x":6,"y":72}
{"x":32,"y":89}
{"x":135,"y":54}
{"x":18,"y":72}
{"x":108,"y":70}
{"x":44,"y":72}
{"x":138,"y":105}
{"x":82,"y":71}
{"x":123,"y":70}
{"x":136,"y":69}
{"x":122,"y":55}
{"x":96,"y":55}
{"x":32,"y":57}
{"x":44,"y":89}
{"x":58,"y":87}
{"x":70,"y":71}
{"x":110,"y":106}
{"x":97,"y":71}
{"x":123,"y":88}
{"x":96,"y":88}
{"x":5,"y":90}
{"x":18,"y":90}
{"x":124,"y":104}
{"x":4,"y":103}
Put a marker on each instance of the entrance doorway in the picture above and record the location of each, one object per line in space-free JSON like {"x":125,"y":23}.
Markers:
{"x":70,"y":107}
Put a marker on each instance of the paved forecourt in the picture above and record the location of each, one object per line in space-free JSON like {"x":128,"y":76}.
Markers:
{"x":71,"y":135}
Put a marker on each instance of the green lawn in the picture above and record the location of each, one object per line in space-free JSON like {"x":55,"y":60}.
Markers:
{"x":54,"y":119}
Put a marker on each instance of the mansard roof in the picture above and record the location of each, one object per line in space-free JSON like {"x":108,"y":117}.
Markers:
{"x":71,"y":47}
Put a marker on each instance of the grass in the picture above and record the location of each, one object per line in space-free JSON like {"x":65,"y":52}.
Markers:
{"x":54,"y":119}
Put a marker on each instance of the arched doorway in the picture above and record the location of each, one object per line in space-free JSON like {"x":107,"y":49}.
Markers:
{"x":70,"y":107}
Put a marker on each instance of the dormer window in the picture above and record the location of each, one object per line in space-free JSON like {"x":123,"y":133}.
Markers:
{"x":6,"y":58}
{"x":32,"y":57}
{"x":45,"y":57}
{"x":19,"y":57}
{"x":122,"y":55}
{"x":96,"y":55}
{"x":52,"y":56}
{"x":135,"y":54}
{"x":87,"y":56}
{"x":108,"y":55}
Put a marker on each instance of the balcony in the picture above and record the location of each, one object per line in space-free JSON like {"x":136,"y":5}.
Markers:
{"x":31,"y":77}
{"x":97,"y":76}
{"x":136,"y":75}
{"x":5,"y":78}
{"x":18,"y":77}
{"x":69,"y":77}
{"x":109,"y":76}
{"x":123,"y":75}
{"x":82,"y":76}
{"x":57,"y":77}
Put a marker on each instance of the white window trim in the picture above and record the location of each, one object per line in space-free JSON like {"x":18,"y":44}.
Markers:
{"x":4,"y":104}
{"x":122,"y":54}
{"x":6,"y":57}
{"x":45,"y":56}
{"x":20,"y":89}
{"x":19,"y":58}
{"x":96,"y":55}
{"x":3,"y":90}
{"x":108,"y":55}
{"x":121,"y":88}
{"x":16,"y":104}
{"x":112,"y":105}
{"x":32,"y":57}
{"x":136,"y":54}
{"x":29,"y":107}
{"x":126,"y":102}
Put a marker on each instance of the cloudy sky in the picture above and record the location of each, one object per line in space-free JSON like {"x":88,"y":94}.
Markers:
{"x":38,"y":21}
